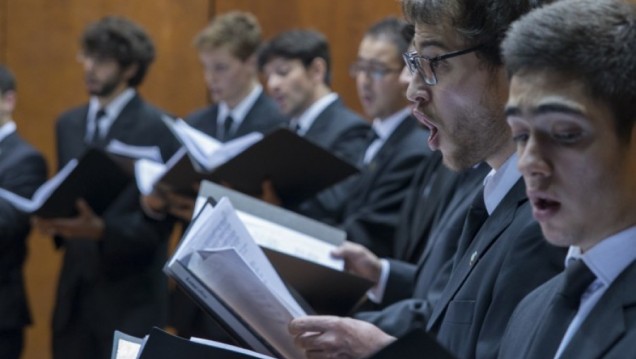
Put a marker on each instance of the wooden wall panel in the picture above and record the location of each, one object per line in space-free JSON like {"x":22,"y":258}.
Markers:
{"x":39,"y":41}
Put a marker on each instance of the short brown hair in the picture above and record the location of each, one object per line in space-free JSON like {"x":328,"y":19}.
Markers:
{"x":239,"y":31}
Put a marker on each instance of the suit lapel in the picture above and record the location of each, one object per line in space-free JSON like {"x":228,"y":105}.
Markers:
{"x":371,"y":170}
{"x":485,"y":237}
{"x":606,"y":323}
{"x":251,"y":118}
{"x":319,"y":132}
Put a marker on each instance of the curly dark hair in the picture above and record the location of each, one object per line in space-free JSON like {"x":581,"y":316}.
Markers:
{"x":118,"y":38}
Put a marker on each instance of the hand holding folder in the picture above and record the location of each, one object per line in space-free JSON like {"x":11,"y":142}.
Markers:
{"x":96,"y":177}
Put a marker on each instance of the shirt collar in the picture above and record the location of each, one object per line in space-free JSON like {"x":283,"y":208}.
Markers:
{"x":499,"y":182}
{"x":308,"y":117}
{"x":7,"y":129}
{"x":385,"y":127}
{"x":241,"y":109}
{"x":609,"y":257}
{"x":112,"y":111}
{"x":114,"y":108}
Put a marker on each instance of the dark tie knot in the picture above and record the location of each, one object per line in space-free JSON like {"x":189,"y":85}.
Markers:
{"x":227,"y":127}
{"x":577,"y":278}
{"x":372,"y":136}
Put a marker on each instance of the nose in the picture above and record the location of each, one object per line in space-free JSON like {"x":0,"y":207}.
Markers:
{"x":417,"y":91}
{"x":532,"y":161}
{"x":272,"y":82}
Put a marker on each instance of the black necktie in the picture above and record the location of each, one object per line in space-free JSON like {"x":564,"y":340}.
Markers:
{"x":227,"y":127}
{"x":562,"y":310}
{"x":100,"y":116}
{"x":477,"y":215}
{"x":371,"y":137}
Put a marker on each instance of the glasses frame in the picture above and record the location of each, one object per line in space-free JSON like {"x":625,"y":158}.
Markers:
{"x":411,"y":59}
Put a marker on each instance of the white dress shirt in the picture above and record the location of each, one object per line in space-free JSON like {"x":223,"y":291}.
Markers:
{"x":112,"y":111}
{"x":239,"y":111}
{"x":607,"y":260}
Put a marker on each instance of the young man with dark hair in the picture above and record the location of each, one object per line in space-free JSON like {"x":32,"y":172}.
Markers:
{"x":22,"y":171}
{"x":572,"y":110}
{"x":297,"y":67}
{"x":111,"y":276}
{"x":459,"y":87}
{"x":370,"y":205}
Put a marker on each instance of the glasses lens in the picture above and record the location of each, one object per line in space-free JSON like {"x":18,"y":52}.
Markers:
{"x":420,"y":65}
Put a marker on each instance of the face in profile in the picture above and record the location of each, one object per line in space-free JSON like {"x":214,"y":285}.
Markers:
{"x":227,"y":77}
{"x":377,"y":75}
{"x":103,"y":76}
{"x":290,"y":84}
{"x":580,"y":178}
{"x":464,"y":109}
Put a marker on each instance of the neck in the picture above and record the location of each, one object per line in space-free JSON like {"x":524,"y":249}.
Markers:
{"x":246,"y":91}
{"x":105,"y":100}
{"x":496,"y":160}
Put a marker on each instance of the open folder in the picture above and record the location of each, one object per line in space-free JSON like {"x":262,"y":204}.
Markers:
{"x":297,"y":167}
{"x":96,"y":177}
{"x":221,"y":267}
{"x":299,"y":248}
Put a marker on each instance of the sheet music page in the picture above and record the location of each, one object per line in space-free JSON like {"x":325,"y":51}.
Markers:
{"x":220,"y":227}
{"x":229,"y":347}
{"x":147,"y":173}
{"x":125,"y":346}
{"x":41,"y":194}
{"x":282,"y":239}
{"x":230,"y":149}
{"x":199,"y":145}
{"x":152,"y":153}
{"x":231,"y":277}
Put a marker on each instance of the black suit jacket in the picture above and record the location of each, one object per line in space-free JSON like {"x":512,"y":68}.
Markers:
{"x":119,"y":277}
{"x":22,"y":171}
{"x":505,"y":260}
{"x":371,"y":213}
{"x":263,"y":117}
{"x":609,"y":331}
{"x":341,"y":131}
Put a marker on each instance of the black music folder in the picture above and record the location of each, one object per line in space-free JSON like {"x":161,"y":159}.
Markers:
{"x":95,"y":176}
{"x":297,"y":167}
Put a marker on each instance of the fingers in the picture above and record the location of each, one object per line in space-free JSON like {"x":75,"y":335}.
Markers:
{"x":313,"y":324}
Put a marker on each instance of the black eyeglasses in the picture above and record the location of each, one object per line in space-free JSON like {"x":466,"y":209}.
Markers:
{"x":425,"y":66}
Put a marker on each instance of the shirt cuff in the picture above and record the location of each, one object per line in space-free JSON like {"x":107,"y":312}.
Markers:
{"x":376,"y":293}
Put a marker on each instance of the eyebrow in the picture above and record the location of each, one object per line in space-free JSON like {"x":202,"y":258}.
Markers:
{"x":546,"y":108}
{"x":429,"y":43}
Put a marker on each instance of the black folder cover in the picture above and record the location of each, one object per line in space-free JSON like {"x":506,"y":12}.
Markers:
{"x":297,"y":167}
{"x":162,"y":345}
{"x":97,"y":178}
{"x":326,"y":290}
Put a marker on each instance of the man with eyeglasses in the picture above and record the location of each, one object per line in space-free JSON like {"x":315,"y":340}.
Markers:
{"x":459,"y":87}
{"x":369,"y":205}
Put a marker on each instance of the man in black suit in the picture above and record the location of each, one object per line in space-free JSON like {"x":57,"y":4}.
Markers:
{"x":22,"y":171}
{"x":459,"y":87}
{"x":572,"y":114}
{"x":228,"y":52}
{"x":111,"y":275}
{"x":369,"y":205}
{"x":297,"y":68}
